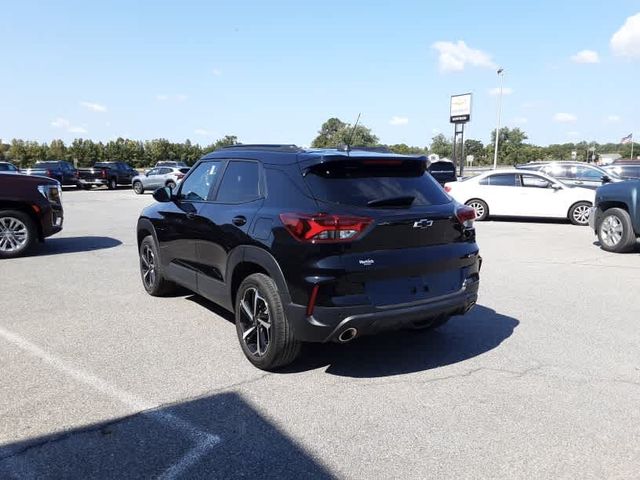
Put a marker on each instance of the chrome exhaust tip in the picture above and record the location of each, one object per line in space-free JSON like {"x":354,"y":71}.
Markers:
{"x":348,"y":335}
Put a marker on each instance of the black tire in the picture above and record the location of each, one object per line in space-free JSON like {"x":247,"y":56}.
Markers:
{"x":615,"y":231}
{"x":171,"y":185}
{"x":579,"y":213}
{"x":481,"y":208}
{"x":153,"y":281}
{"x":113,"y":184}
{"x":18,"y":233}
{"x":138,"y":187}
{"x":281,"y":346}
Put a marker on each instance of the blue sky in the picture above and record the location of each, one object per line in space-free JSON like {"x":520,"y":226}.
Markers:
{"x":273,"y":71}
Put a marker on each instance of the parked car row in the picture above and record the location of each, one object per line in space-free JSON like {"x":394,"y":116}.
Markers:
{"x":105,"y":174}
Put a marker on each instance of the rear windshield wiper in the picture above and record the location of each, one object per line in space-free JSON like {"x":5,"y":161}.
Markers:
{"x":403,"y":201}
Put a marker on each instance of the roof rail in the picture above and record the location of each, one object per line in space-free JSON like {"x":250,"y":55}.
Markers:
{"x":265,"y":146}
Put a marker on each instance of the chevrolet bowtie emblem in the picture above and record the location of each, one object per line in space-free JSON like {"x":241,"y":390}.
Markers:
{"x":424,"y":223}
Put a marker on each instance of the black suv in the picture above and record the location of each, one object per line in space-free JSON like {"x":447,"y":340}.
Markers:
{"x":312,"y":245}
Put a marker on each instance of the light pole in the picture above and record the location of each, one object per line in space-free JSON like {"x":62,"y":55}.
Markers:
{"x":500,"y":73}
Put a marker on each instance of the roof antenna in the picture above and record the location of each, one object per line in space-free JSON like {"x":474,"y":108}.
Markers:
{"x":353,"y":131}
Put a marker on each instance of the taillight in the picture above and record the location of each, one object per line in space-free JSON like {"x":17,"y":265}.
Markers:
{"x":447,"y":188}
{"x":324,"y":228}
{"x":104,"y":174}
{"x":48,"y":174}
{"x":179,"y":176}
{"x":466,"y":215}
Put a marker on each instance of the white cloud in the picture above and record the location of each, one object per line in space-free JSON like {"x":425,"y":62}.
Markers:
{"x":395,"y":120}
{"x":66,"y":125}
{"x":163,"y":97}
{"x":520,"y":120}
{"x":61,"y":123}
{"x":454,"y":56}
{"x":94,"y":107}
{"x":496,"y":91}
{"x":613,"y":118}
{"x":216,"y":72}
{"x":626,"y":41}
{"x":203,"y":132}
{"x":586,"y":56}
{"x":564,"y":117}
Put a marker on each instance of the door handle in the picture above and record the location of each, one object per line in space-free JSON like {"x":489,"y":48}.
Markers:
{"x":191,"y":215}
{"x":239,"y":220}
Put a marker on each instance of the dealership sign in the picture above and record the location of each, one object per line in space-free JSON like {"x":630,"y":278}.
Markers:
{"x":460,"y":111}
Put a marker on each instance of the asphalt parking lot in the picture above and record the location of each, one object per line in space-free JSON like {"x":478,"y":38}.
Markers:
{"x":100,"y":380}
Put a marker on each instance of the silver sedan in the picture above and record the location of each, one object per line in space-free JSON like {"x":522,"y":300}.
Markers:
{"x":158,"y":177}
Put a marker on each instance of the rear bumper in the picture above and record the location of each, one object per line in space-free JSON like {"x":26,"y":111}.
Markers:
{"x":93,"y":181}
{"x":327,"y":323}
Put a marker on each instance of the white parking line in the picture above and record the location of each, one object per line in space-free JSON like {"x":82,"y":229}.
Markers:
{"x":204,"y":440}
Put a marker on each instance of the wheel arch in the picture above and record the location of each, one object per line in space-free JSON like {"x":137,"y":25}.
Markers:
{"x":144,"y":229}
{"x":589,"y":202}
{"x":246,"y":260}
{"x":24,"y":208}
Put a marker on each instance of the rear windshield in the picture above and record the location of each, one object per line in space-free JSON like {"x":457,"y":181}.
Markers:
{"x":363,"y":183}
{"x":47,"y":164}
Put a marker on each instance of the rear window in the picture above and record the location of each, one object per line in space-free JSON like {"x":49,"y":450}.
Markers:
{"x":363,"y":182}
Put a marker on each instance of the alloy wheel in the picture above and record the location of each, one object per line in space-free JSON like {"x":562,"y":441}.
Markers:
{"x":478,"y":207}
{"x":581,"y":214}
{"x":13,"y":234}
{"x":611,"y":230}
{"x":256,"y":322}
{"x":148,"y":266}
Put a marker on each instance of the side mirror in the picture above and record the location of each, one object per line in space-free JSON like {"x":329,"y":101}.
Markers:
{"x":163,"y":195}
{"x":556,"y":186}
{"x":606,"y":179}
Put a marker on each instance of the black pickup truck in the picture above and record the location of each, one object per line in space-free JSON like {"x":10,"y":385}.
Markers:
{"x":615,"y":217}
{"x":63,"y":172}
{"x":30,"y":211}
{"x":110,"y":174}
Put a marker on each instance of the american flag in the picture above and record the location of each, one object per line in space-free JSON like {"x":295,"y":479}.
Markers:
{"x":627,"y":139}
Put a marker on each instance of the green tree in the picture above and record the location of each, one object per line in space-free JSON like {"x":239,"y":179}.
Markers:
{"x":405,"y":149}
{"x":334,"y":132}
{"x":441,"y":145}
{"x":475,"y":148}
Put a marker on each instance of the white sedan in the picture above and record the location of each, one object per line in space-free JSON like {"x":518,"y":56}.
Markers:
{"x":519,"y":193}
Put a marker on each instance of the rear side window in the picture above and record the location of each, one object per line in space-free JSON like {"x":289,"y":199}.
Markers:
{"x":500,"y":180}
{"x":240,"y":183}
{"x":184,"y":170}
{"x":366,"y":183}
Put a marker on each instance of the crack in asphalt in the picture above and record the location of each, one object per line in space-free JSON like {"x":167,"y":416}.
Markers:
{"x":514,"y":374}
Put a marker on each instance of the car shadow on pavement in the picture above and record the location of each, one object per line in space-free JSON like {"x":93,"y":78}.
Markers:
{"x":55,"y":246}
{"x":403,"y":351}
{"x":218,"y":436}
{"x":407,"y":351}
